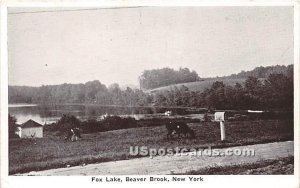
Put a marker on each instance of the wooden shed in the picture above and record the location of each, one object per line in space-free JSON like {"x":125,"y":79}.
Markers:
{"x":30,"y":129}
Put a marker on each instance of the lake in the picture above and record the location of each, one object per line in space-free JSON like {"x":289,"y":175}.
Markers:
{"x":51,"y":113}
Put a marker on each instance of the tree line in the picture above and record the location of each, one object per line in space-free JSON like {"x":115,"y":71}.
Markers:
{"x":90,"y":92}
{"x":275,"y":91}
{"x":155,"y":78}
{"x":264,"y":72}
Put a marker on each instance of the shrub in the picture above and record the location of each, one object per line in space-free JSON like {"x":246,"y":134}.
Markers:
{"x":116,"y":122}
{"x":67,"y":122}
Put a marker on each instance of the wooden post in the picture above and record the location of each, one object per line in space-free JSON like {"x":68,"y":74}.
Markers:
{"x":222,"y":128}
{"x":220,"y":116}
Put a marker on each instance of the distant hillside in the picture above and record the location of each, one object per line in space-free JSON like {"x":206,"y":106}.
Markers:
{"x":258,"y":72}
{"x":264,"y":72}
{"x":200,"y":85}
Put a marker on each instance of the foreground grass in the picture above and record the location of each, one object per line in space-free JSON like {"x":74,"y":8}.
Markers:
{"x":268,"y":167}
{"x":53,"y":152}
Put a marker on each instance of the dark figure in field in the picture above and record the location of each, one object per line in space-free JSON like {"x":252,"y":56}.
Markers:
{"x":73,"y":134}
{"x":179,"y":128}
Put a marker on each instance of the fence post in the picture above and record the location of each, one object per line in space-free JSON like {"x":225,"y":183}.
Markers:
{"x":222,"y":128}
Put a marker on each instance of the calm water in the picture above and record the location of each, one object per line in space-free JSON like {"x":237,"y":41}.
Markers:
{"x":49,"y":114}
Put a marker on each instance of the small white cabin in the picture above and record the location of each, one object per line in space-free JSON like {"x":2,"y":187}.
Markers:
{"x":30,"y":129}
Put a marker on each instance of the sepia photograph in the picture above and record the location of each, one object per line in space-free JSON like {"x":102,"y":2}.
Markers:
{"x":150,"y":90}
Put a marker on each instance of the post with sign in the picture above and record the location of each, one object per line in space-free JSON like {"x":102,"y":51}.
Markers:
{"x":222,"y":127}
{"x":220,"y":116}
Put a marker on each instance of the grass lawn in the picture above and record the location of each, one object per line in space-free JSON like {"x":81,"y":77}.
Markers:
{"x":268,"y":167}
{"x":52,"y":152}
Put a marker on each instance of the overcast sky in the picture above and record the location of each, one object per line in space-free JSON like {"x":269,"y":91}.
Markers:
{"x":116,"y":45}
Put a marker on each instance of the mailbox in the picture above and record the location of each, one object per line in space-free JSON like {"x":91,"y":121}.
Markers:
{"x":220,"y":116}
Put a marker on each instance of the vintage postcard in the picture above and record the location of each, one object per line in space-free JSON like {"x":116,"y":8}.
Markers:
{"x":144,"y":93}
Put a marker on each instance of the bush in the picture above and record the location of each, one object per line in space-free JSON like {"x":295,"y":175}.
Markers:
{"x":12,"y":126}
{"x":108,"y":124}
{"x":67,"y":122}
{"x":116,"y":122}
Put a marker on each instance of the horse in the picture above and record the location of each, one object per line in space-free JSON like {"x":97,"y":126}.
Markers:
{"x":73,"y":134}
{"x":179,"y":128}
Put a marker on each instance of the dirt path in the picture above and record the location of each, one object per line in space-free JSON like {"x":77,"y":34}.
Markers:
{"x":175,"y":164}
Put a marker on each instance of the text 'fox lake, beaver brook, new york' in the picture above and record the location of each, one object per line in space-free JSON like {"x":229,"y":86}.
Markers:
{"x":145,"y":179}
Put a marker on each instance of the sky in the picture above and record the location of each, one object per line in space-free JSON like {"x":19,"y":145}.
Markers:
{"x":48,"y":46}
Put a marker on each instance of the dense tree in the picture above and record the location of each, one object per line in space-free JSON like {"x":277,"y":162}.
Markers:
{"x":265,"y":72}
{"x":12,"y":126}
{"x":217,"y":96}
{"x":166,"y":76}
{"x":278,"y":91}
{"x":66,"y":122}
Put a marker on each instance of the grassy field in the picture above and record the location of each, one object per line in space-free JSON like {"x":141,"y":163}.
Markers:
{"x":269,"y":167}
{"x":52,"y":152}
{"x":202,"y":85}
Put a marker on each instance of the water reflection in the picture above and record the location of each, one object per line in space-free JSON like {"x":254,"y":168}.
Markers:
{"x":49,"y":114}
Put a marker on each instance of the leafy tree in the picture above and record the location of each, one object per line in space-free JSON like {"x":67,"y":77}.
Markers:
{"x":159,"y":99}
{"x":12,"y":126}
{"x":215,"y":97}
{"x":166,"y":76}
{"x":66,"y":122}
{"x":279,"y":91}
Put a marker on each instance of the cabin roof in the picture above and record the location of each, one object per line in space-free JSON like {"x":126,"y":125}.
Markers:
{"x":30,"y":123}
